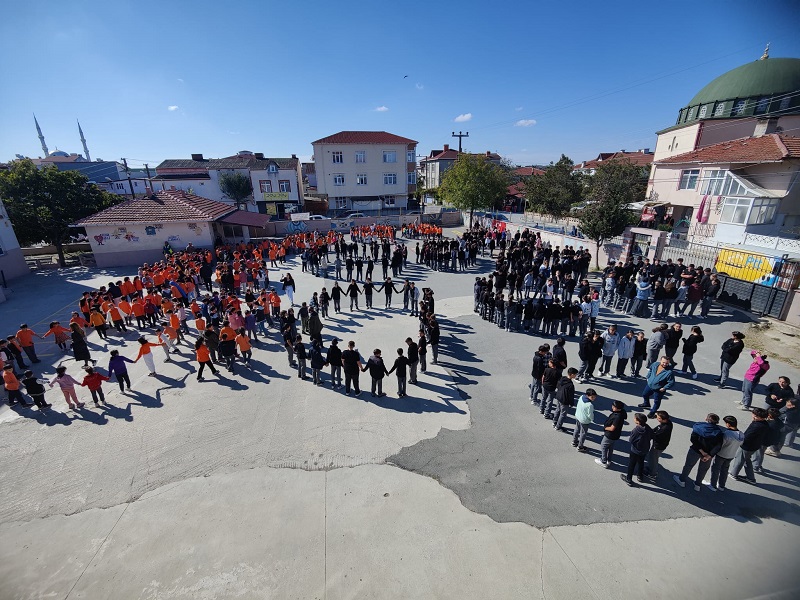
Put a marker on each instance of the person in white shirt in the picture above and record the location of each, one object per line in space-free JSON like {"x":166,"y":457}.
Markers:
{"x":732,"y":438}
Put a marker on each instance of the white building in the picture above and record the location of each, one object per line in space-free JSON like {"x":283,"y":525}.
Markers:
{"x":365,"y":170}
{"x":12,"y":262}
{"x":433,"y":167}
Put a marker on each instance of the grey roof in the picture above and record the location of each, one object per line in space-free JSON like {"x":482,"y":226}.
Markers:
{"x":231,"y":162}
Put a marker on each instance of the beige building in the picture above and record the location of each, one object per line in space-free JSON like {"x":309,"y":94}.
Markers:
{"x":365,"y":171}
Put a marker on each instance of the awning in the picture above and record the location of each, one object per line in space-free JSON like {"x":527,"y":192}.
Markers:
{"x":245,"y":218}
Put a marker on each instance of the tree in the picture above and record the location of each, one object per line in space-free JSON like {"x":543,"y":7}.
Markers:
{"x":614,"y":185}
{"x":236,"y":186}
{"x":554,"y":192}
{"x":42,"y":203}
{"x":473,"y":183}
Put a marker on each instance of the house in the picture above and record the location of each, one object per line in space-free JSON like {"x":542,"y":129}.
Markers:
{"x":134,"y":231}
{"x":515,"y":198}
{"x":12,"y":262}
{"x":365,"y":170}
{"x":735,"y":192}
{"x":281,"y":177}
{"x":642,"y":157}
{"x":434,"y":166}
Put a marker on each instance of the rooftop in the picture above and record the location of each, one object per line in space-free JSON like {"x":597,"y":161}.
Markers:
{"x":231,"y":162}
{"x":640,"y":157}
{"x":767,"y":148}
{"x":364,"y":137}
{"x":162,"y":207}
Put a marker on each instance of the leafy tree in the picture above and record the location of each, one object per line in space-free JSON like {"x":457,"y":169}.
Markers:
{"x":554,"y":192}
{"x":236,"y":186}
{"x":615,"y":185}
{"x":473,"y":183}
{"x":42,"y":203}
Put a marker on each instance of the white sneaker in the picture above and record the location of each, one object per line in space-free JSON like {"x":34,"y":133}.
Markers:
{"x":601,"y":463}
{"x":678,"y":481}
{"x":694,"y":376}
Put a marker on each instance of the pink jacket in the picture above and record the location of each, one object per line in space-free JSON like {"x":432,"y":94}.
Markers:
{"x":757,"y":368}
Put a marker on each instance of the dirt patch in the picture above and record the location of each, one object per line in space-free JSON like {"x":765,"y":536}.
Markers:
{"x":776,"y":339}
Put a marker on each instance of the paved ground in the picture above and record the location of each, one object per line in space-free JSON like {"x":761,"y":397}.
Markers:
{"x":236,"y":489}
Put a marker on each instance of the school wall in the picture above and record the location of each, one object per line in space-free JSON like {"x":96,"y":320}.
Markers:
{"x":12,"y":262}
{"x":137,"y":243}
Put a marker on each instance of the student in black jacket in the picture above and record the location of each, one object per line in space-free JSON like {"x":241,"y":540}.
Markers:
{"x":400,"y":366}
{"x":640,"y":439}
{"x":565,"y":396}
{"x":550,"y":379}
{"x":706,"y":441}
{"x":376,"y":370}
{"x":334,"y":359}
{"x":774,"y":436}
{"x":662,"y":434}
{"x":612,"y":430}
{"x":413,"y":359}
{"x":731,"y":349}
{"x":753,"y":440}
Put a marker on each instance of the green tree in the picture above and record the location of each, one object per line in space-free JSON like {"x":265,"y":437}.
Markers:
{"x":473,"y":183}
{"x":236,"y":186}
{"x":42,"y":203}
{"x":554,"y":192}
{"x":614,"y":186}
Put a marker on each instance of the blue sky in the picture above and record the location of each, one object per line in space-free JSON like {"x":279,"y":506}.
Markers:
{"x":530,"y":80}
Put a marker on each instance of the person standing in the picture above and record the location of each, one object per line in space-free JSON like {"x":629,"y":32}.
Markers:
{"x":625,"y":350}
{"x":301,"y":355}
{"x":351,"y":363}
{"x":540,"y":360}
{"x":12,"y":386}
{"x":774,"y":436}
{"x":422,"y":346}
{"x":317,"y":361}
{"x":334,"y":359}
{"x":779,"y":393}
{"x":611,"y":340}
{"x":752,"y":377}
{"x":753,"y":440}
{"x":584,"y":416}
{"x":146,"y":354}
{"x":655,"y":343}
{"x":67,"y":384}
{"x":565,"y":398}
{"x":550,"y":378}
{"x":612,"y":430}
{"x":244,"y":346}
{"x":662,"y":433}
{"x":25,"y":338}
{"x":732,"y":438}
{"x":400,"y":366}
{"x":660,"y":378}
{"x":35,"y":389}
{"x":377,"y":369}
{"x":790,"y":416}
{"x":690,"y":349}
{"x":413,"y":360}
{"x":706,"y":441}
{"x":353,"y":291}
{"x":79,"y":348}
{"x":640,"y":439}
{"x":94,"y":381}
{"x":433,"y":338}
{"x":731,"y":349}
{"x":116,"y":365}
{"x":639,"y":354}
{"x":673,"y":341}
{"x":203,"y":357}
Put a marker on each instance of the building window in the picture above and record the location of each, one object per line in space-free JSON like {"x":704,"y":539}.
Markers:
{"x":389,"y":156}
{"x":285,"y":185}
{"x":690,"y":116}
{"x":712,"y":182}
{"x":265,"y":186}
{"x":361,"y":156}
{"x":738,"y":107}
{"x":390,"y":179}
{"x":762,"y":105}
{"x":338,"y":158}
{"x":785,"y":103}
{"x":338,"y":179}
{"x":733,"y":187}
{"x":273,"y":169}
{"x":120,"y":186}
{"x":719,"y":109}
{"x":340,"y":202}
{"x":361,"y":179}
{"x":410,"y":157}
{"x":412,"y":178}
{"x":734,"y":210}
{"x":703,"y":111}
{"x":763,"y":211}
{"x":689,"y":179}
{"x":388,"y":200}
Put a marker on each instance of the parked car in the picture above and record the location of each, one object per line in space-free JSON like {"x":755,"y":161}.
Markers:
{"x":354,"y":215}
{"x":318,"y":218}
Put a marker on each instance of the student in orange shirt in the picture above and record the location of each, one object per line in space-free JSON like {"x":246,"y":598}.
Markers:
{"x":79,"y":321}
{"x":61,"y":335}
{"x":98,"y":321}
{"x":204,"y":358}
{"x":200,"y":324}
{"x":126,"y":309}
{"x":243,"y":342}
{"x":25,"y":339}
{"x":146,"y":353}
{"x":116,"y":317}
{"x":12,"y":386}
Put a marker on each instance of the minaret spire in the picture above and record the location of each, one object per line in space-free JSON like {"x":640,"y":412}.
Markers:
{"x":765,"y":56}
{"x":41,"y":137}
{"x":83,"y":141}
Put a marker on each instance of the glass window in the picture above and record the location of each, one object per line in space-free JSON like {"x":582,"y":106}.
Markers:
{"x":361,"y":156}
{"x":390,"y":179}
{"x":266,"y":186}
{"x":389,"y":156}
{"x":285,"y":185}
{"x":733,"y":187}
{"x":738,"y":107}
{"x":273,"y":169}
{"x":361,"y":179}
{"x":340,"y":201}
{"x":388,"y":200}
{"x":762,"y":105}
{"x":691,"y":114}
{"x":412,"y":178}
{"x":703,"y":111}
{"x":338,"y":158}
{"x":713,"y":182}
{"x":410,"y":156}
{"x":734,"y":210}
{"x":785,"y":103}
{"x":764,"y":210}
{"x":719,"y":109}
{"x":689,"y":179}
{"x":338,"y":179}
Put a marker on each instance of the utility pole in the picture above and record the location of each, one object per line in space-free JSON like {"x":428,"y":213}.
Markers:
{"x":150,"y":183}
{"x":130,"y":183}
{"x":460,"y":135}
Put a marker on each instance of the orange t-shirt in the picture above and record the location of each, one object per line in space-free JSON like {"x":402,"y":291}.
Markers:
{"x":243,"y":342}
{"x":174,"y":320}
{"x":200,"y":323}
{"x":171,"y":332}
{"x":227,"y":331}
{"x":25,"y":337}
{"x":97,"y":319}
{"x":203,"y":355}
{"x":10,"y":380}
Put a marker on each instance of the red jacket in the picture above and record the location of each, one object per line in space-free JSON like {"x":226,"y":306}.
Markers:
{"x":94,"y":381}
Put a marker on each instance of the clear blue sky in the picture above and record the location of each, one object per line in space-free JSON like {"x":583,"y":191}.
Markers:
{"x":153,"y":80}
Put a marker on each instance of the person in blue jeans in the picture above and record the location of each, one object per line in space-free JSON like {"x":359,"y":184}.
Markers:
{"x":660,"y":378}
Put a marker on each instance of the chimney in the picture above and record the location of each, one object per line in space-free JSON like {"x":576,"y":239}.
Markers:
{"x":623,"y":150}
{"x":488,"y":153}
{"x":446,"y":147}
{"x":197,"y":157}
{"x":294,"y":156}
{"x":260,"y":155}
{"x":765,"y":127}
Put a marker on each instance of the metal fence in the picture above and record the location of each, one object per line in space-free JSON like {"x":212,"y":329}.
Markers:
{"x":753,"y":297}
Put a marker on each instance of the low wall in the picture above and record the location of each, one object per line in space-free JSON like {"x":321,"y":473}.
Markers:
{"x":68,"y":248}
{"x":13,"y":265}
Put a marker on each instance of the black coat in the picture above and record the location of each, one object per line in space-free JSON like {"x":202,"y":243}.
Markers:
{"x":731,"y":350}
{"x":565,"y":392}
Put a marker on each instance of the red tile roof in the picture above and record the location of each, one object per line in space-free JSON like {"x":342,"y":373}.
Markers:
{"x":528,"y":171}
{"x":638,"y":158}
{"x":247,"y":218}
{"x":767,"y":148}
{"x":453,"y":154}
{"x":364,"y":137}
{"x":164,"y":207}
